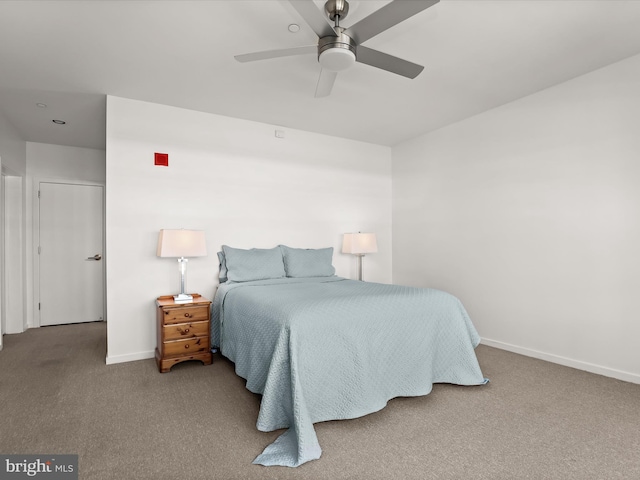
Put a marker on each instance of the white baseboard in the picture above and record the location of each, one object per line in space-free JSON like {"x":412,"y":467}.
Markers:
{"x":567,"y":362}
{"x":130,"y":357}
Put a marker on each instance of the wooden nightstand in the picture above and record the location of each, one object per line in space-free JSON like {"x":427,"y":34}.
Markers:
{"x":183,"y":332}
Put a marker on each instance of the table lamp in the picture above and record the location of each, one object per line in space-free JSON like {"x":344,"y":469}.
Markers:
{"x":359,"y":244}
{"x":180,"y":244}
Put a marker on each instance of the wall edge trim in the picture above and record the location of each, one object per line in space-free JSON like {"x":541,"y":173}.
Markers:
{"x":129,"y":357}
{"x":567,"y":362}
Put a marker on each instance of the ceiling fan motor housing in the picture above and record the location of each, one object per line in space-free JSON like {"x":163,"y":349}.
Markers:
{"x":337,"y":53}
{"x":336,"y":8}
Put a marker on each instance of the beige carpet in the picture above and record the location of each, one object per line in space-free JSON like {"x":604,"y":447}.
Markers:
{"x":534,"y":420}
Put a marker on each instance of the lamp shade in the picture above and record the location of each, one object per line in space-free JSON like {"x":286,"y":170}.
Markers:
{"x":359,"y":243}
{"x":181,"y":243}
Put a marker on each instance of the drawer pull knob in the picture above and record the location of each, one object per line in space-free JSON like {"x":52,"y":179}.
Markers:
{"x":187,"y":315}
{"x":186,"y":346}
{"x":186,"y":330}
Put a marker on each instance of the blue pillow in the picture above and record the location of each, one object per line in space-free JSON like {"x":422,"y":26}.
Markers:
{"x":253,"y":264}
{"x":222,"y":276}
{"x":308,"y":262}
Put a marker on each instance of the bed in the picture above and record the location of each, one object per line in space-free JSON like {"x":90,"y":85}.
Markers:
{"x":320,"y":347}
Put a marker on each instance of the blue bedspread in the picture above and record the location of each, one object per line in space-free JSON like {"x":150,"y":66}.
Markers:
{"x":328,"y":348}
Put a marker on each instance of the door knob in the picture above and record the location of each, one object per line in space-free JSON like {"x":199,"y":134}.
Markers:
{"x":96,"y":257}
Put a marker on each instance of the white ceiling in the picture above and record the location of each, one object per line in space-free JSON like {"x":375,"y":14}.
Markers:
{"x":477,"y":54}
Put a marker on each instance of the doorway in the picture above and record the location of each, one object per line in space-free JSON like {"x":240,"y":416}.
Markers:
{"x":70,"y":253}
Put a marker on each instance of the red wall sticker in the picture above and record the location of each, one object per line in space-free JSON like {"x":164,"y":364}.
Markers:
{"x":161,"y":159}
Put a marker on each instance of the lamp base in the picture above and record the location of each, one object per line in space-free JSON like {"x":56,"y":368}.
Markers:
{"x":359,"y":256}
{"x":183,"y":298}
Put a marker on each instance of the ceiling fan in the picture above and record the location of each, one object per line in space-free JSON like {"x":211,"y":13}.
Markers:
{"x":339,"y":48}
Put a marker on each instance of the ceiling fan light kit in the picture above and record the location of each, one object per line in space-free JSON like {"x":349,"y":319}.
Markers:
{"x":337,"y":53}
{"x":340,"y":48}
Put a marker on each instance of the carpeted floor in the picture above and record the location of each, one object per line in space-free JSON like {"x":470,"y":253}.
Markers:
{"x":535,"y":420}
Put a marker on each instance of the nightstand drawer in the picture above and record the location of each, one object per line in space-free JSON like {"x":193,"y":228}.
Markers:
{"x":178,"y":331}
{"x":186,"y":314}
{"x":186,"y":347}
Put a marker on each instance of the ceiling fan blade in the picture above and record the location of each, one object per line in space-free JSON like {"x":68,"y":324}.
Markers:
{"x":387,"y":62}
{"x":325,"y":82}
{"x":316,"y":19}
{"x":283,"y":52}
{"x":386,"y":17}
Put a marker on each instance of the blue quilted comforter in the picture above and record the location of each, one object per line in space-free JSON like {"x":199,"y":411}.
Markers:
{"x":328,"y":348}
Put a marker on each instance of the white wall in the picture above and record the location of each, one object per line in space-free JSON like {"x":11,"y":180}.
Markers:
{"x":12,"y":148}
{"x":13,"y":268}
{"x":13,"y":165}
{"x":241,"y":185}
{"x":53,"y":163}
{"x":58,"y":162}
{"x":530,"y":213}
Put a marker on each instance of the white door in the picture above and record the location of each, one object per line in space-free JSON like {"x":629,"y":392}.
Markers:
{"x":71,"y":242}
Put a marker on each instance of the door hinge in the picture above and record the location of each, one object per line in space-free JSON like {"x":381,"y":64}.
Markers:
{"x":38,"y":193}
{"x":38,"y":249}
{"x":38,"y":305}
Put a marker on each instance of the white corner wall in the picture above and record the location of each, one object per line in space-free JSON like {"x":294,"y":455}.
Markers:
{"x":530,"y":214}
{"x":13,"y":164}
{"x":12,"y":148}
{"x":240,"y":184}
